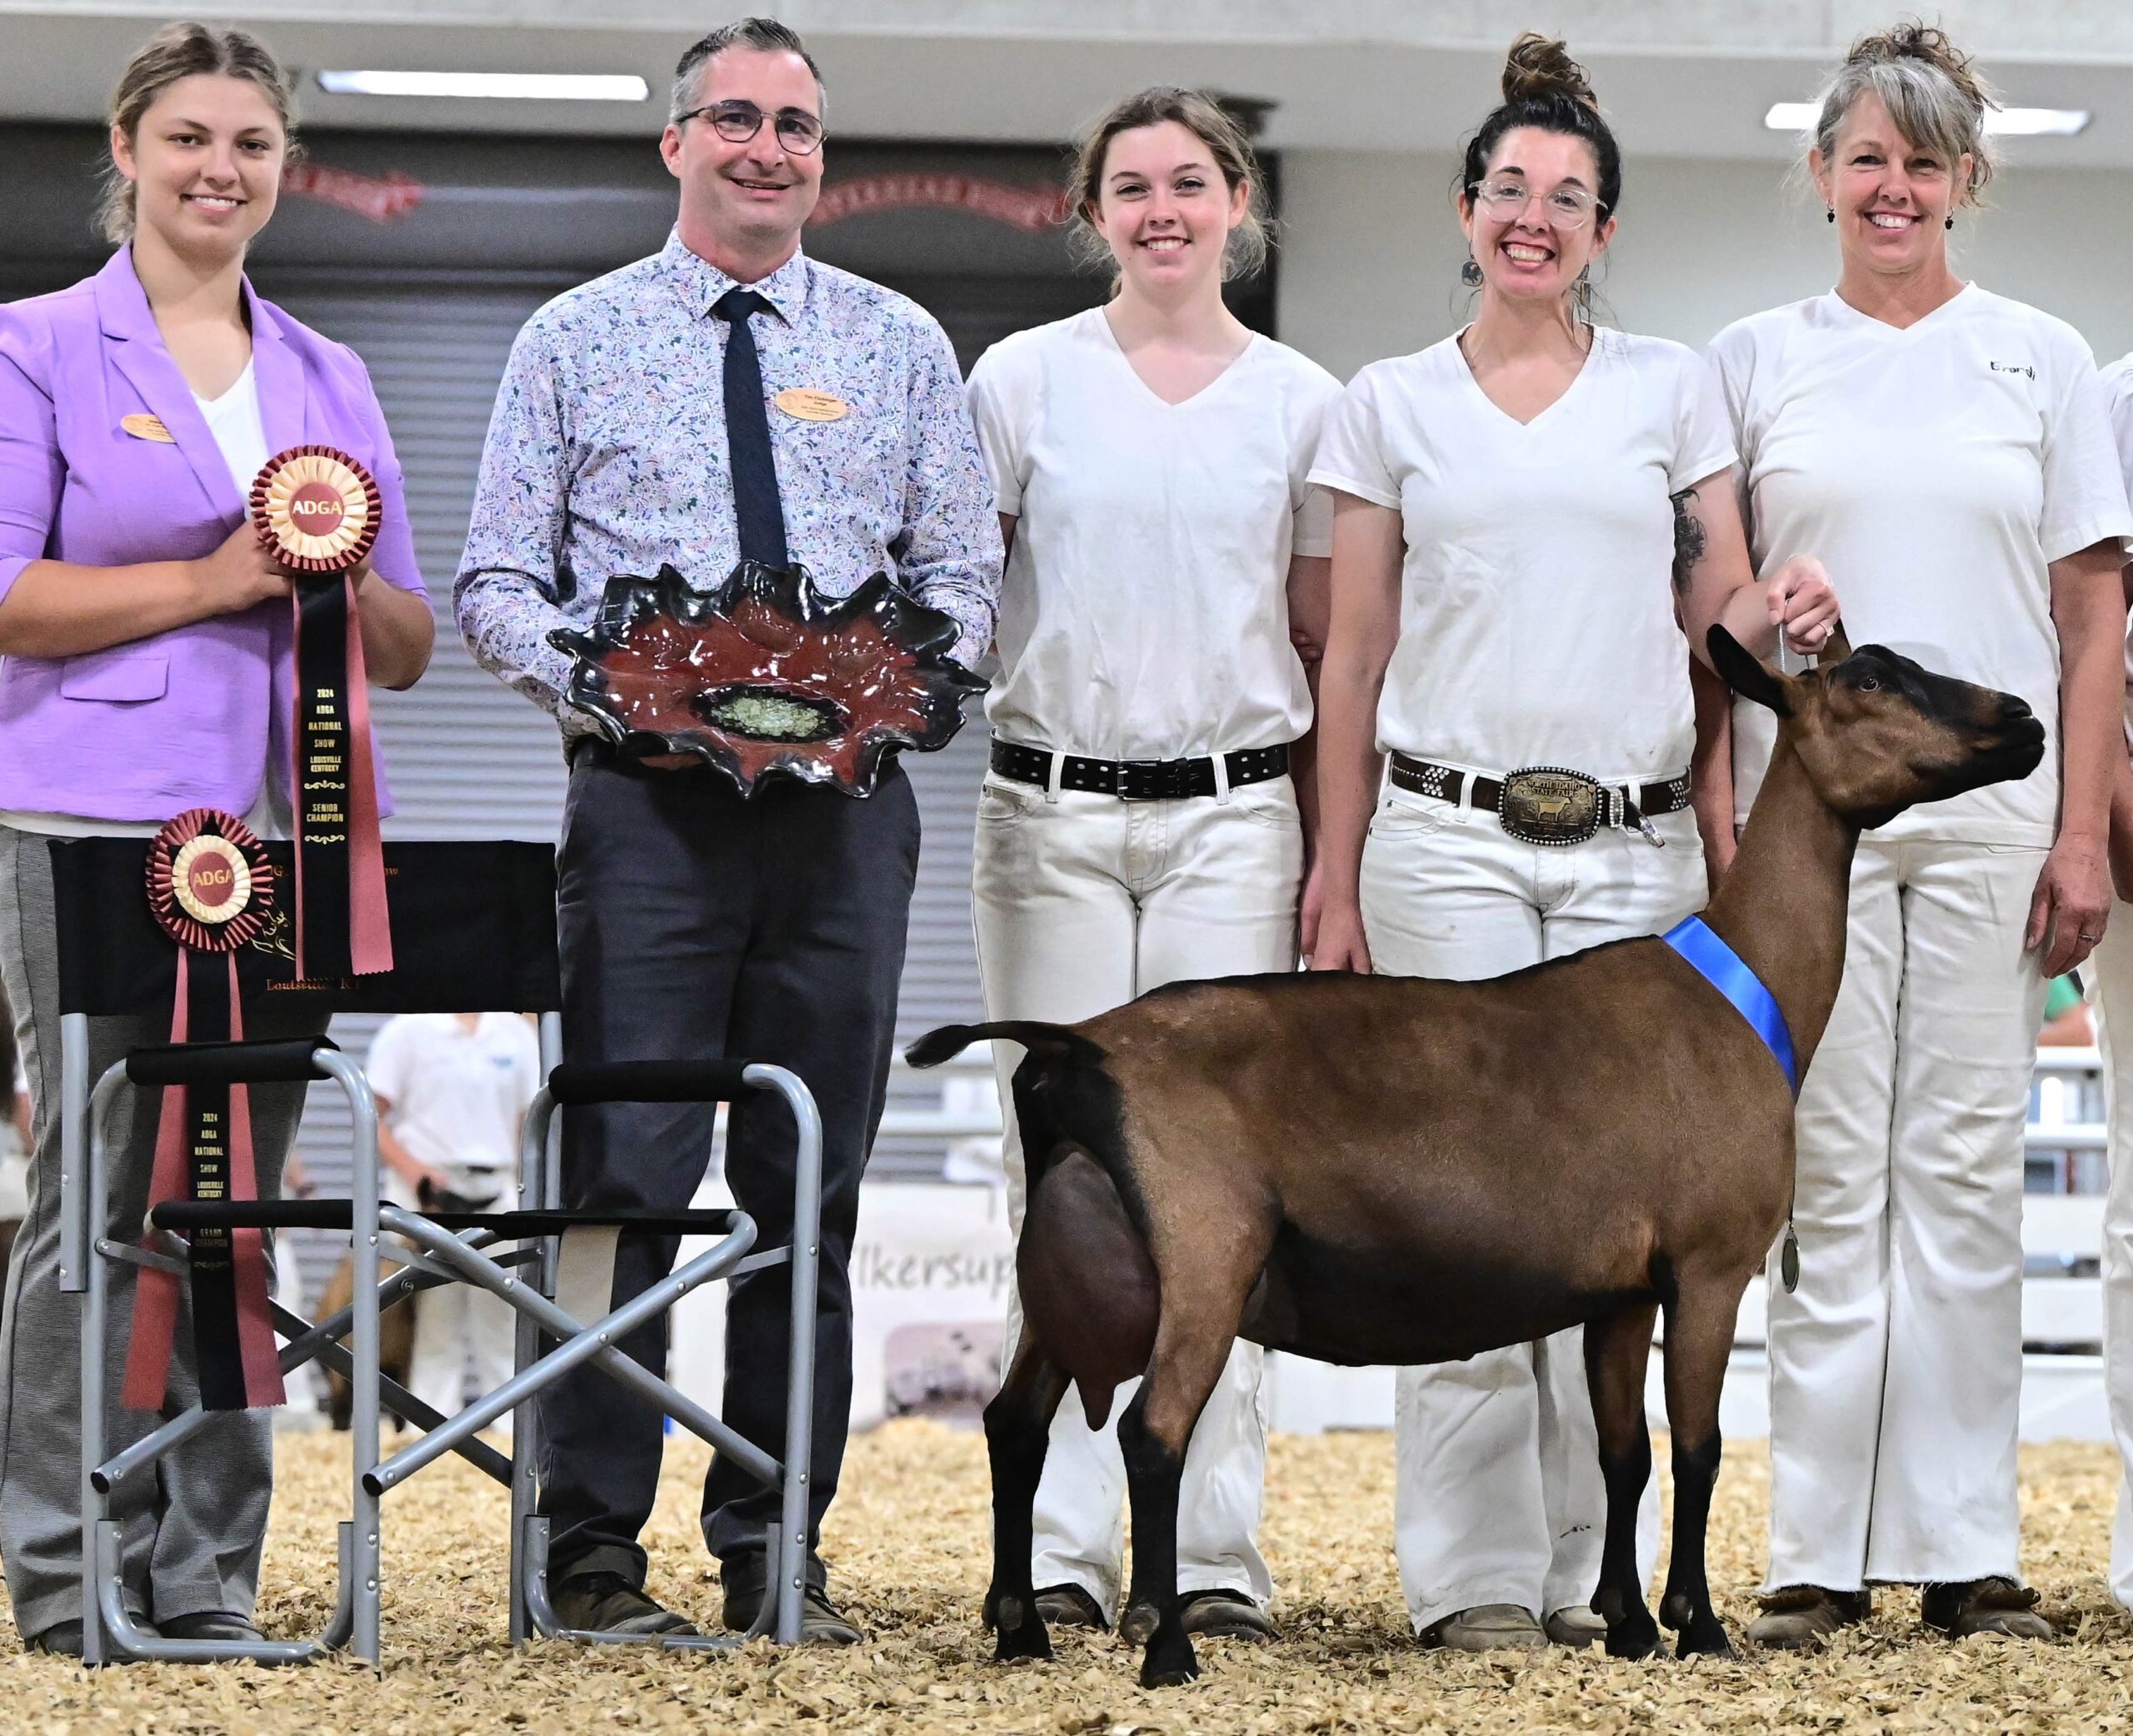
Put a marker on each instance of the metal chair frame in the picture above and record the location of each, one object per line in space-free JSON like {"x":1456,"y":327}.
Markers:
{"x":525,"y":1275}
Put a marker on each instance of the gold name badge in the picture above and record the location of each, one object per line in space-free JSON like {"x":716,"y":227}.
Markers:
{"x":141,"y":426}
{"x":811,"y":405}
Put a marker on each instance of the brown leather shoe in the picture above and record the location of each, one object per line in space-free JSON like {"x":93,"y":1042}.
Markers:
{"x":1224,"y":1615}
{"x":1800,"y":1616}
{"x":606,"y":1603}
{"x":1488,"y":1627}
{"x":821,"y":1622}
{"x":1574,"y":1624}
{"x":1069,"y":1605}
{"x":1993,"y":1605}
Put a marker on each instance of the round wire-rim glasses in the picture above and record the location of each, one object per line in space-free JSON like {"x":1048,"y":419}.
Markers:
{"x":736,"y":122}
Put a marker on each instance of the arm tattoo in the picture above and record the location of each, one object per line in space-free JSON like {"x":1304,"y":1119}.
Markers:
{"x":1691,"y":539}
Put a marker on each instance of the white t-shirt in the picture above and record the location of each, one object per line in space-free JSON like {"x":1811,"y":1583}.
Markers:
{"x":1536,"y":611}
{"x":1935,"y":471}
{"x":2118,"y":383}
{"x":1144,"y":614}
{"x":235,"y":421}
{"x":456,"y":1095}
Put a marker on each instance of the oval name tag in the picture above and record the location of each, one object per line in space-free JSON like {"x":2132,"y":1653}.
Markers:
{"x":141,"y":426}
{"x":811,"y":405}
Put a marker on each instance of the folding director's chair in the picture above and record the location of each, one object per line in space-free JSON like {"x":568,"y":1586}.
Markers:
{"x":473,"y":929}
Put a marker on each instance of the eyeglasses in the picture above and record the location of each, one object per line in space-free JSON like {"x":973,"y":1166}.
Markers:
{"x":1566,"y":208}
{"x":737,"y":122}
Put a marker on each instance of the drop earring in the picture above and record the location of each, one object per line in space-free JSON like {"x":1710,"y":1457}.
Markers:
{"x":1469,"y":274}
{"x":1830,"y":213}
{"x":1947,"y":223}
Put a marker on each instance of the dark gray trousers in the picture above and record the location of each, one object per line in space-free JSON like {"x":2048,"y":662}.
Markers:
{"x":697,"y":924}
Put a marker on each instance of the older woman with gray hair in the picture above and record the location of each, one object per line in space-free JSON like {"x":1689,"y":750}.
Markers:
{"x":1947,"y":455}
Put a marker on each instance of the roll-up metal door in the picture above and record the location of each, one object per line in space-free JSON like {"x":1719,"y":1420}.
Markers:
{"x":467,"y":758}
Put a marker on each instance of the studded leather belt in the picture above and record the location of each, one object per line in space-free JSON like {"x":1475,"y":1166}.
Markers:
{"x":1140,"y":779}
{"x":1548,"y":804}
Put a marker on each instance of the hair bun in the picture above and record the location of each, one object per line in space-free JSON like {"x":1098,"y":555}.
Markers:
{"x":1540,"y":66}
{"x":1912,"y":39}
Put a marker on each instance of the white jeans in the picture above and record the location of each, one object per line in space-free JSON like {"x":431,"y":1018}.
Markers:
{"x":2113,"y":964}
{"x":1083,"y":903}
{"x":460,"y":1329}
{"x":1895,"y":1369}
{"x":1498,"y":1497}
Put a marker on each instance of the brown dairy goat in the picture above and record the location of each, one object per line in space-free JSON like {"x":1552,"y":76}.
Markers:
{"x":1385,"y":1169}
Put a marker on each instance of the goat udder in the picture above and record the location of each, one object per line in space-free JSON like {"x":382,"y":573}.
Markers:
{"x":1089,"y":1289}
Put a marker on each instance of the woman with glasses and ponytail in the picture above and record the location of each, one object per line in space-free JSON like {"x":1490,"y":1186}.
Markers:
{"x":1948,"y":452}
{"x":1145,"y":819}
{"x":1527,"y":516}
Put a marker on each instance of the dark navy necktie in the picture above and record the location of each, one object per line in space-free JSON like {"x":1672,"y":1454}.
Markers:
{"x":756,"y":508}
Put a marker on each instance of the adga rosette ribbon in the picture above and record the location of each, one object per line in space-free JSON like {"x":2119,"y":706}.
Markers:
{"x":316,"y":512}
{"x":211,"y":891}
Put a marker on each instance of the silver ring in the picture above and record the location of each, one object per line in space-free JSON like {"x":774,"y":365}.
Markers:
{"x":2092,"y":938}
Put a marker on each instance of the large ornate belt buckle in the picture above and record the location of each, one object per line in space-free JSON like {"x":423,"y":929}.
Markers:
{"x":1551,"y":805}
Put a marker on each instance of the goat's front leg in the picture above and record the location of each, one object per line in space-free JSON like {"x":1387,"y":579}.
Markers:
{"x":1616,"y":1349}
{"x":1153,"y":1435}
{"x":1700,"y":1328}
{"x":1017,"y":1430}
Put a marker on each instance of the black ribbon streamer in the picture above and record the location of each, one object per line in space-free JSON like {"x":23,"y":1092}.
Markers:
{"x":325,"y":753}
{"x":218,"y":1352}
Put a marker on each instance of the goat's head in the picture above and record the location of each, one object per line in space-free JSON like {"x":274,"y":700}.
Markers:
{"x":1878,"y":733}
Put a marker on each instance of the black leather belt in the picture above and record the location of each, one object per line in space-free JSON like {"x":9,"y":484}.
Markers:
{"x":1547,"y":803}
{"x":1139,"y":780}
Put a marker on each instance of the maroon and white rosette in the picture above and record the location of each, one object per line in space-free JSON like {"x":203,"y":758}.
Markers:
{"x":316,"y":511}
{"x":211,"y":891}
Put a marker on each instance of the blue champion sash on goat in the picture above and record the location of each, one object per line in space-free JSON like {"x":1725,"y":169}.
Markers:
{"x":1722,"y":967}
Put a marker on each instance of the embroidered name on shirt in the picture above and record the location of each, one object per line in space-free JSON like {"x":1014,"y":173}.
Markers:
{"x":2012,"y":367}
{"x":141,"y":426}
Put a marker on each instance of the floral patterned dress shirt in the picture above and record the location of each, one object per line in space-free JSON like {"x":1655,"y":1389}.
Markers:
{"x":607,"y":455}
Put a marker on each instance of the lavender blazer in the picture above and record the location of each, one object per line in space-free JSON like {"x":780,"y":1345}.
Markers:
{"x":191,"y":717}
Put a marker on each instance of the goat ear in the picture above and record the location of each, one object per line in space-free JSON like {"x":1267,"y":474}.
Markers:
{"x":1748,"y":675}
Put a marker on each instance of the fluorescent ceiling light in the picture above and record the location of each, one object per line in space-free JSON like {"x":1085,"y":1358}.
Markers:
{"x":536,"y":87}
{"x":1799,"y":117}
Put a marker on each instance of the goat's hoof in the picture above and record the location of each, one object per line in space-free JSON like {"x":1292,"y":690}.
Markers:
{"x":1633,"y":1638}
{"x":1704,"y":1637}
{"x":1138,"y":1625}
{"x":1025,"y":1639}
{"x":1170,"y":1671}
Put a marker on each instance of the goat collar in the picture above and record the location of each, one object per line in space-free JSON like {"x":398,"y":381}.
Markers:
{"x":1722,"y":968}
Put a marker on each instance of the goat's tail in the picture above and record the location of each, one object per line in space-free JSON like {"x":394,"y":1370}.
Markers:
{"x":950,"y":1040}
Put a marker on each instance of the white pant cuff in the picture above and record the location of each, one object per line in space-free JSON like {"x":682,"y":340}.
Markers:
{"x":1473,"y":1596}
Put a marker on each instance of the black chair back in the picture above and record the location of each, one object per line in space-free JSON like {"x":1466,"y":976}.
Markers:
{"x":473,"y":931}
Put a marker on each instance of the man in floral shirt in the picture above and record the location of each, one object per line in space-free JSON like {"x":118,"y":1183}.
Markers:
{"x":694,"y":922}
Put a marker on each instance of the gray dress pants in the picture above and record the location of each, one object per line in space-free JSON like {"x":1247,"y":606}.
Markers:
{"x":194,"y":1522}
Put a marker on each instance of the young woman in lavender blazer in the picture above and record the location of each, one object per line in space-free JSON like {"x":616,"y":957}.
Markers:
{"x":148,"y":648}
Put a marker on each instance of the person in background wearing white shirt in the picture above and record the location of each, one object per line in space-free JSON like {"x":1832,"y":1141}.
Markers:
{"x":1147,"y":819}
{"x":1510,"y":505}
{"x":1947,"y":453}
{"x":452,"y":1092}
{"x":2114,"y":970}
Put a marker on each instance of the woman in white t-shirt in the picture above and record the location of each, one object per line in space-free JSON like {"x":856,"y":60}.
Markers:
{"x":1509,"y":504}
{"x":1947,"y":454}
{"x":2114,"y":972}
{"x":1145,"y":821}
